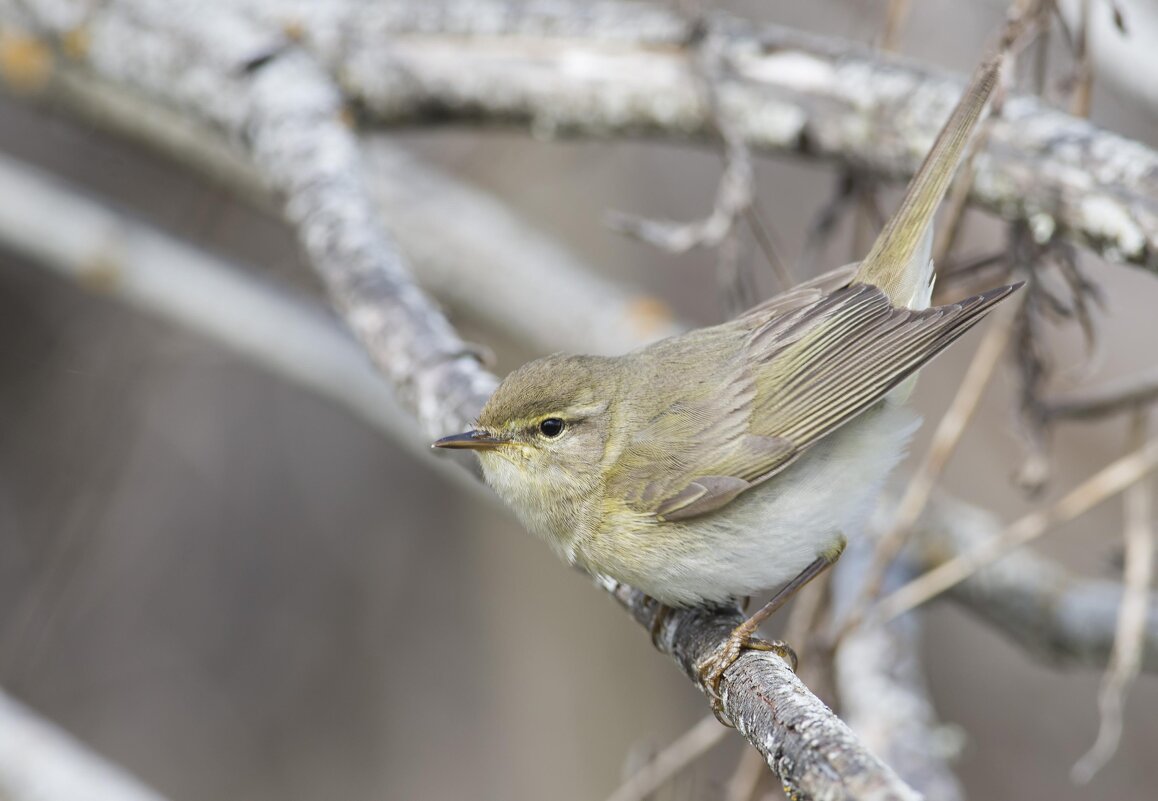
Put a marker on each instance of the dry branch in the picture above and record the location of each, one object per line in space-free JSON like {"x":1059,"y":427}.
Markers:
{"x":812,"y":751}
{"x":622,"y":69}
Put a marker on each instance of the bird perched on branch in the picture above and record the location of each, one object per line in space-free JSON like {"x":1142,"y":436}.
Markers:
{"x":735,"y":459}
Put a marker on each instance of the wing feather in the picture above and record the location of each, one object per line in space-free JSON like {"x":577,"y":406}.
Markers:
{"x":803,"y":371}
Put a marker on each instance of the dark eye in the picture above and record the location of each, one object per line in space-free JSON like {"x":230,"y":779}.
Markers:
{"x":551,"y":427}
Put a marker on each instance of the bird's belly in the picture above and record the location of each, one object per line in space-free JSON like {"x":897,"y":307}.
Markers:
{"x":769,"y":534}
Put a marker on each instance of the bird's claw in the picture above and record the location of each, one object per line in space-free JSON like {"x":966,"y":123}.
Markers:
{"x":711,"y":669}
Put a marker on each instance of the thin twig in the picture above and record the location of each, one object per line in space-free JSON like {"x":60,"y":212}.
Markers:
{"x":732,"y":199}
{"x":1126,"y":657}
{"x":1104,"y":484}
{"x":812,"y":751}
{"x":661,"y":768}
{"x":895,"y":16}
{"x":1083,"y":82}
{"x":734,"y":192}
{"x":765,"y":237}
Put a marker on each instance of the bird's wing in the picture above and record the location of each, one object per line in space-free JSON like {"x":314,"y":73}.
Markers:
{"x":798,"y":377}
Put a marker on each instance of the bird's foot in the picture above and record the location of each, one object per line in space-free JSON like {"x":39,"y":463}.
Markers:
{"x":711,"y":669}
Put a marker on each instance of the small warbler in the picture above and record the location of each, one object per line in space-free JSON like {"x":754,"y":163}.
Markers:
{"x":733,"y":459}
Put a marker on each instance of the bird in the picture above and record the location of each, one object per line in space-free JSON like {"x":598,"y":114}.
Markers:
{"x":737,"y":458}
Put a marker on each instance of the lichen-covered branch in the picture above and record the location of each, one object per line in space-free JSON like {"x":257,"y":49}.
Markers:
{"x":812,"y":750}
{"x":615,"y":69}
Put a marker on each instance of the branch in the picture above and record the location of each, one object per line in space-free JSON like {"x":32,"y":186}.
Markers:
{"x":1061,"y":618}
{"x":40,"y":762}
{"x":456,"y":263}
{"x":814,"y":752}
{"x":616,"y":69}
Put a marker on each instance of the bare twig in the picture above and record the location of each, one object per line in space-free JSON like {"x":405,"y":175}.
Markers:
{"x":895,"y":16}
{"x":1032,"y":358}
{"x":734,"y":196}
{"x":1104,"y":484}
{"x":1126,"y":658}
{"x":766,"y":239}
{"x":660,"y":769}
{"x":1083,"y":80}
{"x":734,"y":193}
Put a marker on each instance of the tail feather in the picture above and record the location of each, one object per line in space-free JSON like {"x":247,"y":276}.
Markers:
{"x":896,"y":262}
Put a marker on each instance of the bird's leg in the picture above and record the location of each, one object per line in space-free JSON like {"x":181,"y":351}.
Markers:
{"x":662,"y":613}
{"x":711,"y":670}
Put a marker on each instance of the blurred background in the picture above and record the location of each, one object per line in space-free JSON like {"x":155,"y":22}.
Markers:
{"x":236,"y":590}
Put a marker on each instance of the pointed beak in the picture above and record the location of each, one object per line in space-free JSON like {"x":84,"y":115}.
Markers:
{"x":470,"y":440}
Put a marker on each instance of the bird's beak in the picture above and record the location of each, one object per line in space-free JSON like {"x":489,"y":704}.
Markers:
{"x":471,"y":440}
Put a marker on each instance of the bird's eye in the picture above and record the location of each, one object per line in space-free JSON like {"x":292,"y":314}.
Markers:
{"x":551,"y":427}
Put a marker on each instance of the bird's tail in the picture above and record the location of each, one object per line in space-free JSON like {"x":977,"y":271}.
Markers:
{"x":900,"y":260}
